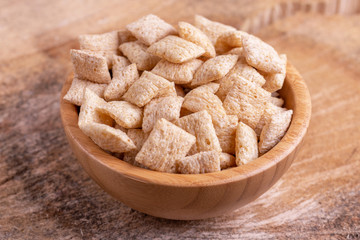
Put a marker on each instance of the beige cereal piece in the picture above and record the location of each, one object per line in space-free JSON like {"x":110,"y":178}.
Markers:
{"x":237,"y":51}
{"x":277,"y":101}
{"x":175,"y":49}
{"x":108,"y":55}
{"x":125,"y":114}
{"x":168,"y":91}
{"x":125,"y":36}
{"x":99,"y":42}
{"x":226,"y":133}
{"x":137,"y":53}
{"x":164,"y":107}
{"x":275,"y":81}
{"x":138,"y":136}
{"x":203,"y":162}
{"x":150,"y":29}
{"x":195,"y":35}
{"x":108,"y":138}
{"x":200,"y":125}
{"x":166,"y":144}
{"x":179,"y":91}
{"x":118,"y":64}
{"x":269,"y":110}
{"x":274,"y":129}
{"x":146,"y":88}
{"x":246,"y":144}
{"x":90,"y":66}
{"x":211,"y":29}
{"x":202,"y":98}
{"x":179,"y":73}
{"x":247,"y":101}
{"x":228,"y":40}
{"x":214,"y":69}
{"x":77,"y":89}
{"x":121,"y":83}
{"x":261,"y":55}
{"x":89,"y":110}
{"x":227,"y":161}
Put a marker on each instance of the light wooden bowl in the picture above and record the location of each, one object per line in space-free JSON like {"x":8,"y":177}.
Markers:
{"x":199,"y":196}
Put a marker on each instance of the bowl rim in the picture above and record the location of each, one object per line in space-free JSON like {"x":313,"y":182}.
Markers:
{"x":293,"y":137}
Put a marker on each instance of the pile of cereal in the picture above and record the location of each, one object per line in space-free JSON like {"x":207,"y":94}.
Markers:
{"x":193,"y":99}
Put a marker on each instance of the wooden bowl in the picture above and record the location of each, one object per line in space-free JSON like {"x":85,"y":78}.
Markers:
{"x":198,"y":196}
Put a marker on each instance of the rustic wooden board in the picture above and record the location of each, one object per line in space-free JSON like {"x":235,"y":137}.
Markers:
{"x":45,"y":194}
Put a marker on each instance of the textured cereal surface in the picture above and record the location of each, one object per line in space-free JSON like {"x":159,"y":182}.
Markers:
{"x":125,"y":36}
{"x":121,"y":83}
{"x":164,"y":107}
{"x":269,"y":110}
{"x":166,"y":144}
{"x":118,"y":64}
{"x":99,"y":42}
{"x":137,"y":53}
{"x":275,"y":81}
{"x":150,"y":29}
{"x":195,"y":35}
{"x":203,"y":162}
{"x":175,"y":49}
{"x":200,"y":125}
{"x":246,"y":144}
{"x":274,"y":129}
{"x":228,"y":40}
{"x":90,"y":66}
{"x":226,"y":133}
{"x":138,"y":136}
{"x":227,"y":161}
{"x":214,"y":69}
{"x":179,"y":73}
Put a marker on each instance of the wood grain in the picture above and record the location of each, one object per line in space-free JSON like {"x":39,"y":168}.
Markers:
{"x":45,"y":194}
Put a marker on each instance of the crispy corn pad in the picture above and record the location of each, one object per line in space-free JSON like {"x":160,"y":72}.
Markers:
{"x":100,"y":42}
{"x":227,"y":161}
{"x":229,"y":40}
{"x":125,"y":36}
{"x":118,"y":64}
{"x":226,"y":133}
{"x":150,"y":29}
{"x":275,"y":81}
{"x":138,"y":136}
{"x":246,"y":144}
{"x":165,"y":145}
{"x":146,"y":88}
{"x":200,"y":125}
{"x":203,"y":162}
{"x":175,"y":49}
{"x":76,"y":91}
{"x":90,"y":66}
{"x":274,"y":129}
{"x":137,"y":53}
{"x":195,"y":35}
{"x":164,"y":107}
{"x":179,"y":73}
{"x":269,"y":110}
{"x":121,"y":83}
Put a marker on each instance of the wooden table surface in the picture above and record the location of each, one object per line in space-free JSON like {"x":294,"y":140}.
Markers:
{"x":44,"y":192}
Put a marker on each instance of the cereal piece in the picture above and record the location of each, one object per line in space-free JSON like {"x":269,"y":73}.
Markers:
{"x":202,"y":98}
{"x":275,"y":81}
{"x":269,"y":110}
{"x":227,"y":161}
{"x":164,"y":107}
{"x":226,"y":133}
{"x":90,"y":66}
{"x":247,"y":101}
{"x":117,"y":126}
{"x":108,"y":55}
{"x":246,"y":144}
{"x":125,"y":36}
{"x":228,"y":40}
{"x":146,"y":88}
{"x":138,"y":137}
{"x":200,"y":125}
{"x":121,"y":83}
{"x":175,"y":49}
{"x":150,"y":29}
{"x":178,"y":73}
{"x":137,"y":53}
{"x":108,"y":138}
{"x":125,"y":114}
{"x":277,"y":101}
{"x":214,"y":68}
{"x":195,"y":35}
{"x":210,"y":87}
{"x":274,"y":129}
{"x":99,"y":42}
{"x":179,"y":91}
{"x":203,"y":162}
{"x":165,"y":145}
{"x":118,"y":64}
{"x":211,"y":29}
{"x":167,"y":91}
{"x":237,"y":51}
{"x":261,"y":55}
{"x":76,"y":92}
